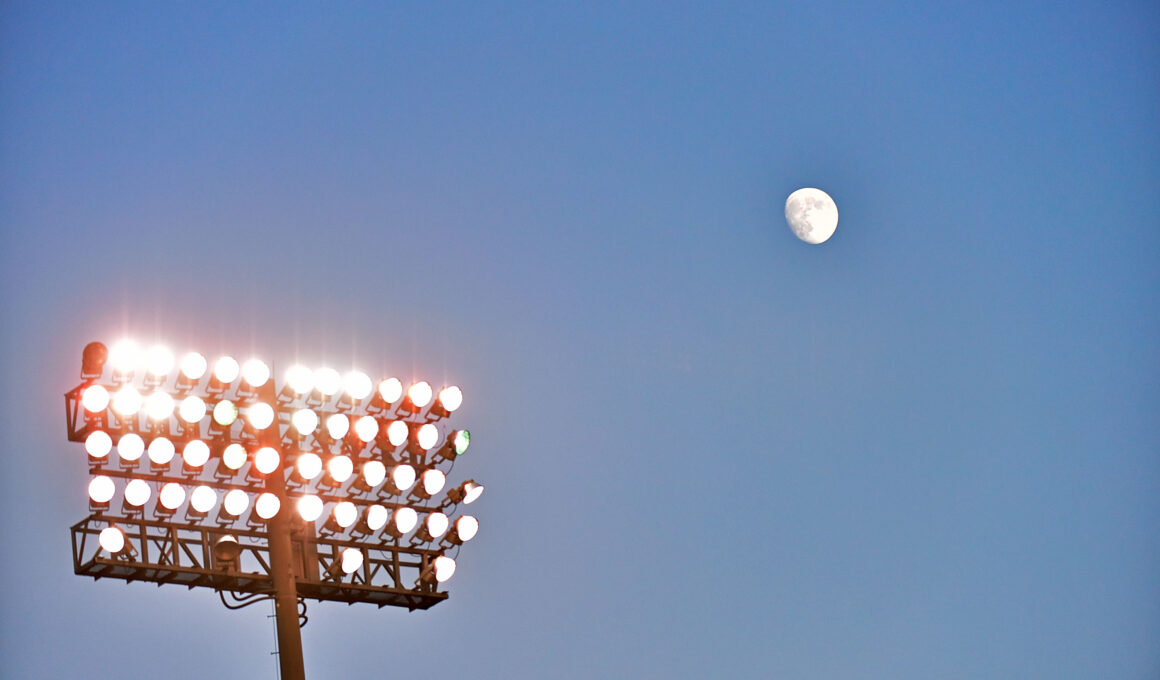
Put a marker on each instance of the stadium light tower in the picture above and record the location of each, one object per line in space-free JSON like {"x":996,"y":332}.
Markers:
{"x":327,"y":488}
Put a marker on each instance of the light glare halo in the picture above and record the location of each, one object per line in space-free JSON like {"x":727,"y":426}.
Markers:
{"x":266,"y":460}
{"x":428,"y":436}
{"x":226,"y":370}
{"x":161,"y":451}
{"x":192,"y":409}
{"x":112,"y":539}
{"x":327,"y":381}
{"x":433,"y":481}
{"x":374,"y":472}
{"x":236,"y":502}
{"x":137,"y":492}
{"x":403,"y":477}
{"x":255,"y":372}
{"x":158,"y":361}
{"x":196,"y":453}
{"x":345,"y":514}
{"x":267,"y":505}
{"x":261,"y":415}
{"x":337,"y":425}
{"x":203,"y":499}
{"x":300,"y":379}
{"x":127,"y":401}
{"x":466,"y":527}
{"x":95,"y":398}
{"x":444,"y":568}
{"x":130,"y":447}
{"x":172,"y":496}
{"x":234,"y":456}
{"x":367,"y":428}
{"x":310,"y":507}
{"x":159,"y":405}
{"x":397,"y":432}
{"x":357,"y":385}
{"x":98,"y":444}
{"x":352,"y":560}
{"x":309,"y":465}
{"x":390,"y":390}
{"x":193,"y":366}
{"x":437,"y":524}
{"x":451,"y":398}
{"x":304,"y":421}
{"x":420,"y":393}
{"x":101,"y":489}
{"x":123,"y":356}
{"x":377,"y":517}
{"x":405,"y":519}
{"x":340,"y":468}
{"x":225,"y":412}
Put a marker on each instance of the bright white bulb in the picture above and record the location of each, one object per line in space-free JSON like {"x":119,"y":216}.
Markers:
{"x":127,"y":401}
{"x":159,"y":405}
{"x":309,"y":465}
{"x":433,"y":481}
{"x":428,"y":437}
{"x":112,"y":539}
{"x":158,"y":361}
{"x":357,"y":385}
{"x":193,"y":366}
{"x":225,"y":412}
{"x":327,"y":381}
{"x":203,"y":499}
{"x":98,"y":444}
{"x":397,"y":432}
{"x":236,"y":502}
{"x":195,"y":453}
{"x":101,"y":489}
{"x":444,"y":568}
{"x":367,"y":428}
{"x":192,"y":409}
{"x":374,"y":472}
{"x":161,"y":451}
{"x":304,"y":420}
{"x":437,"y":524}
{"x":450,"y":398}
{"x":267,"y":505}
{"x":337,"y":425}
{"x":466,"y":527}
{"x":124,"y":356}
{"x":405,"y":519}
{"x":345,"y":514}
{"x":352,"y":560}
{"x":171,"y":496}
{"x":340,"y":468}
{"x":266,"y":460}
{"x":390,"y":390}
{"x":403,"y":477}
{"x":310,"y":507}
{"x":137,"y":492}
{"x":95,"y":398}
{"x":234,"y":456}
{"x":420,"y":394}
{"x":226,"y":369}
{"x":377,"y":517}
{"x":300,"y":379}
{"x":255,"y":372}
{"x":130,"y":447}
{"x":471,"y":492}
{"x":261,"y":416}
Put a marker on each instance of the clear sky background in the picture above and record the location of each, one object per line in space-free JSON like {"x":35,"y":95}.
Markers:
{"x":927,"y":448}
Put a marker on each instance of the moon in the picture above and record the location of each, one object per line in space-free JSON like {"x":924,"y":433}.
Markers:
{"x":812,"y":215}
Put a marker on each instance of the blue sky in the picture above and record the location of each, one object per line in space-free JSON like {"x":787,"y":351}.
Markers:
{"x":926,"y":448}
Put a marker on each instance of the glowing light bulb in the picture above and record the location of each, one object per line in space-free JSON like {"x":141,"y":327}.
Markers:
{"x":420,"y":394}
{"x":345,"y":514}
{"x":195,"y":453}
{"x":193,"y":366}
{"x":403,"y":477}
{"x":390,"y":390}
{"x":337,"y":425}
{"x":471,"y":492}
{"x":255,"y":372}
{"x":137,"y":492}
{"x":357,"y":385}
{"x":310,"y":507}
{"x":460,"y":440}
{"x":171,"y":496}
{"x":101,"y":489}
{"x":437,"y":524}
{"x":159,"y":405}
{"x":226,"y":370}
{"x":234,"y":456}
{"x":397,"y":432}
{"x":340,"y":468}
{"x":433,"y":481}
{"x":405,"y":519}
{"x":309,"y":465}
{"x":95,"y":398}
{"x":304,"y":420}
{"x":124,"y":356}
{"x":192,"y":409}
{"x":444,"y":568}
{"x":374,"y":472}
{"x":112,"y":539}
{"x":225,"y":412}
{"x":235,"y":502}
{"x":466,"y":527}
{"x":98,"y":444}
{"x":377,"y":517}
{"x":352,"y":560}
{"x":327,"y":381}
{"x":161,"y":451}
{"x":267,"y":505}
{"x":127,"y":401}
{"x":300,"y":379}
{"x":450,"y":398}
{"x":158,"y":361}
{"x":203,"y":499}
{"x":367,"y":428}
{"x":130,"y":447}
{"x":261,"y":416}
{"x":266,"y":460}
{"x":428,"y":437}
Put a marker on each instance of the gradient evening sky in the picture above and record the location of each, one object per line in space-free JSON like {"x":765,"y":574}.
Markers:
{"x":927,"y":448}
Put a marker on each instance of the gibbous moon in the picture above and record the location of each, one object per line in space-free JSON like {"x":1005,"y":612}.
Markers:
{"x":812,"y":215}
